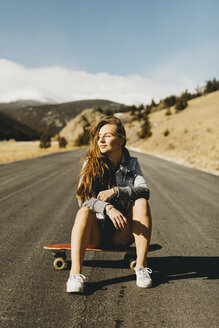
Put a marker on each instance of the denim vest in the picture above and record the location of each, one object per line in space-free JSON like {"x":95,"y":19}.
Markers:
{"x":131,"y":186}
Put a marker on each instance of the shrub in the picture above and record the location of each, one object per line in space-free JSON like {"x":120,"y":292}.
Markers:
{"x":45,"y":140}
{"x":109,"y":112}
{"x":181,"y":103}
{"x":148,"y":109}
{"x":99,"y":109}
{"x":166,"y":133}
{"x":62,"y":142}
{"x":140,"y":108}
{"x":145,"y":129}
{"x":138,"y":116}
{"x":83,"y":139}
{"x":168,"y":112}
{"x":198,"y":92}
{"x":169,"y":101}
{"x":211,"y":86}
{"x":153,"y":104}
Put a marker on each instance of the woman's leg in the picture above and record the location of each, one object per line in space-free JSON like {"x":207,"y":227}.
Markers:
{"x":139,"y":226}
{"x":85,"y":231}
{"x":141,"y":229}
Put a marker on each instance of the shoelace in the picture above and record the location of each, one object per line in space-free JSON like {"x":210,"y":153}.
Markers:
{"x":79,"y":277}
{"x":143,"y":271}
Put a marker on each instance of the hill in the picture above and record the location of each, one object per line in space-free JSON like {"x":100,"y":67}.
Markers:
{"x":19,"y":104}
{"x":53,"y":117}
{"x":190,"y":136}
{"x":11,"y":129}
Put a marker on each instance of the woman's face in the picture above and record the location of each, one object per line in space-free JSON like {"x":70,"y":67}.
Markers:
{"x":108,"y":141}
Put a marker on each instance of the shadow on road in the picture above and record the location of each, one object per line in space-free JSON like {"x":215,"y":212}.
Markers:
{"x":165,"y":269}
{"x":92,"y":287}
{"x":170,"y":268}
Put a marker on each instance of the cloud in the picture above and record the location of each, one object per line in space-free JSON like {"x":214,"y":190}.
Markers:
{"x":58,"y":84}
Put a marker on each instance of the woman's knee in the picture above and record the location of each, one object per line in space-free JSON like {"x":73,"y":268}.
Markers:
{"x":140,"y":204}
{"x":85,"y":214}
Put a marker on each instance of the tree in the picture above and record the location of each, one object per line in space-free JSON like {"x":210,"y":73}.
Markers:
{"x":62,"y":142}
{"x":141,"y":108}
{"x":83,"y":139}
{"x":153,"y":104}
{"x":181,"y":104}
{"x":45,"y":140}
{"x":169,"y":101}
{"x":145,"y":129}
{"x":211,"y":86}
{"x":109,"y":112}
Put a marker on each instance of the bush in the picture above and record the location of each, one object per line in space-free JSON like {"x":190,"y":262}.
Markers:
{"x":138,"y":116}
{"x":62,"y":142}
{"x":83,"y":139}
{"x":169,"y":101}
{"x":153,"y":104}
{"x":166,"y":133}
{"x":211,"y":86}
{"x":109,"y":112}
{"x":168,"y":112}
{"x":145,"y":129}
{"x":198,"y":92}
{"x":45,"y":140}
{"x":140,"y":108}
{"x":99,"y":109}
{"x":148,"y":109}
{"x":181,"y":103}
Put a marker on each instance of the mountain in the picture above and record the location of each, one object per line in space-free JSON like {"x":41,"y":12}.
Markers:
{"x":11,"y":129}
{"x":20,"y":104}
{"x":51,"y":118}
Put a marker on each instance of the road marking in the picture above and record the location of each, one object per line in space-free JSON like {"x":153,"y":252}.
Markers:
{"x":24,"y":188}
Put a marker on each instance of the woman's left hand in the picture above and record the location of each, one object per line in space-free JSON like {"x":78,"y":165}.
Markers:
{"x":106,"y":195}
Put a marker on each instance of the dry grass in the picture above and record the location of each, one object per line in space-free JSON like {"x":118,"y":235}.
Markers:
{"x":11,"y":151}
{"x":193,"y":137}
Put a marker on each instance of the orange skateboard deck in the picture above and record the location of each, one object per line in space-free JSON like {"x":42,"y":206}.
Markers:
{"x":59,"y":253}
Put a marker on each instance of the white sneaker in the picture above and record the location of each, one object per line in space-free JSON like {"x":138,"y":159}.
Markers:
{"x":143,"y":278}
{"x":75,"y":283}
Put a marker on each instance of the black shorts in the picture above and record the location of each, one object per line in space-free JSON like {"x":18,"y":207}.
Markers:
{"x":107,"y":230}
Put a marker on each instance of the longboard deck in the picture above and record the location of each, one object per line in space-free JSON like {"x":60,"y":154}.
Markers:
{"x":67,"y":247}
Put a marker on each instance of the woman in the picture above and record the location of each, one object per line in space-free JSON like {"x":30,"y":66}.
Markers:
{"x":113,"y":196}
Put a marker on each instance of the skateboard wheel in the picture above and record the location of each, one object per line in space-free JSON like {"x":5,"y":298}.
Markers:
{"x":132,"y":264}
{"x":59,"y":263}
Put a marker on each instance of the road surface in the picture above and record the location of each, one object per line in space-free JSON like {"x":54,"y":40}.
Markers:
{"x":38,"y":206}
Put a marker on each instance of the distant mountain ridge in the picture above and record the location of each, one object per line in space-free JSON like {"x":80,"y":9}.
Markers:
{"x":12,"y":129}
{"x":20,"y":104}
{"x":51,"y":118}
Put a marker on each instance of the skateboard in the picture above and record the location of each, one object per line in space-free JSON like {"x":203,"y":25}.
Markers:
{"x":59,"y":253}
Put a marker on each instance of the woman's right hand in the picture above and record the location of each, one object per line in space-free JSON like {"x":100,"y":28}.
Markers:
{"x":118,"y":219}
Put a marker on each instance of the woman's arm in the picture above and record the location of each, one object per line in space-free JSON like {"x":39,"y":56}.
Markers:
{"x":96,"y":205}
{"x":138,"y":190}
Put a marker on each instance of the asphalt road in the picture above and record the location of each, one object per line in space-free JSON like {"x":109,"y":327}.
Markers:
{"x":37,"y":208}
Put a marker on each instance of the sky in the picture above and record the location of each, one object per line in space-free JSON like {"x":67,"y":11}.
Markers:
{"x":128,"y":51}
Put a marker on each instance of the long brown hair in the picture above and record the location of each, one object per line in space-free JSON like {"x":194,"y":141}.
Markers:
{"x":96,"y":175}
